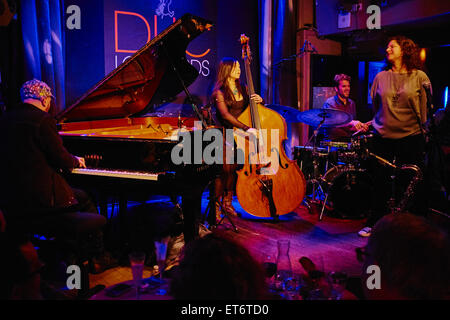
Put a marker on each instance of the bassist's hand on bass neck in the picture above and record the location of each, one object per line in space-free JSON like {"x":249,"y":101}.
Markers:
{"x":256,"y":98}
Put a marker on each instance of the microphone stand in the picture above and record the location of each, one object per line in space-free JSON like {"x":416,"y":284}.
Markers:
{"x":434,"y":157}
{"x":317,"y":178}
{"x":185,"y":89}
{"x":308,"y":47}
{"x":316,"y":131}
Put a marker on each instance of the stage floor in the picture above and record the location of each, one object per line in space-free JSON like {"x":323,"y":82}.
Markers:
{"x":330,"y":243}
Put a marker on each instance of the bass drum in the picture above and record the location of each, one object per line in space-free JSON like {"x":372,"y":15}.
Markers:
{"x":350,"y":191}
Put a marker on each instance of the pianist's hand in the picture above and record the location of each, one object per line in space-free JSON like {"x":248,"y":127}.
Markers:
{"x":81,"y":163}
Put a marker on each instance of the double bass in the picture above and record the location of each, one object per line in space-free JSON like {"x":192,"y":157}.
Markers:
{"x":269,"y":183}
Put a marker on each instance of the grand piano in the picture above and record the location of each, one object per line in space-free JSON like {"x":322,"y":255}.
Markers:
{"x":128,"y":154}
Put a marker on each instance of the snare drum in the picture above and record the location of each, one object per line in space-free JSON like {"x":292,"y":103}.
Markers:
{"x":350,"y":191}
{"x":342,"y":151}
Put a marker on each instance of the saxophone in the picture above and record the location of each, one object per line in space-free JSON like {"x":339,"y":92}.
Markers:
{"x":410,"y":190}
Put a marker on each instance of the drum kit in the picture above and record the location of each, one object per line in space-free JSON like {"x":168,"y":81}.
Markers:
{"x":336,"y":172}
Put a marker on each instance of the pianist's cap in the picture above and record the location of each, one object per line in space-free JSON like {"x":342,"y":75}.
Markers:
{"x":35,"y":89}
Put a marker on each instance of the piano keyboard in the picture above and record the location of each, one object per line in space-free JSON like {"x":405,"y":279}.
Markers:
{"x":117,"y":173}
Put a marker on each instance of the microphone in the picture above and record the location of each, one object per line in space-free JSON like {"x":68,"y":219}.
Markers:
{"x":428,"y":91}
{"x":427,"y":85}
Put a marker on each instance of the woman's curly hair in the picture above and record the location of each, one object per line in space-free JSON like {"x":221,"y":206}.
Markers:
{"x":410,"y":51}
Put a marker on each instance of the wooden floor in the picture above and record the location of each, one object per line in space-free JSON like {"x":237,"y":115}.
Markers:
{"x":330,"y":243}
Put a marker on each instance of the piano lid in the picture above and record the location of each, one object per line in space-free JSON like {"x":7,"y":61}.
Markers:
{"x":144,"y":80}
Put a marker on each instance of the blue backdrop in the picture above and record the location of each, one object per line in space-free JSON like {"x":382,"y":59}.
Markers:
{"x":111,"y":31}
{"x":43,"y":43}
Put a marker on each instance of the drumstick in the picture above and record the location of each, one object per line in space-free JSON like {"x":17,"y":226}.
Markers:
{"x":360,"y":130}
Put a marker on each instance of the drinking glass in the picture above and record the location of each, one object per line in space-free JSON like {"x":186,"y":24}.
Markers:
{"x":269,"y":263}
{"x":319,"y":288}
{"x":284,"y":266}
{"x":137,"y":260}
{"x":292,"y":287}
{"x":161,"y":253}
{"x":338,"y":283}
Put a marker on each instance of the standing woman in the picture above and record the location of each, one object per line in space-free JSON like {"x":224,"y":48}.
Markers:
{"x":400,"y":106}
{"x":230,"y":99}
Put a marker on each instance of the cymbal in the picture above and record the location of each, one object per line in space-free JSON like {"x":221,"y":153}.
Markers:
{"x":330,"y":117}
{"x":289,"y":114}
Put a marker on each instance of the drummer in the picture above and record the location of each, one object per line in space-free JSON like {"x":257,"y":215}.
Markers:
{"x":341,"y":101}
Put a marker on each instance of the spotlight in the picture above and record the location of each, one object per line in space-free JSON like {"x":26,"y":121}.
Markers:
{"x":423,"y":54}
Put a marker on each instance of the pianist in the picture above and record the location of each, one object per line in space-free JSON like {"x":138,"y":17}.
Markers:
{"x":32,"y":190}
